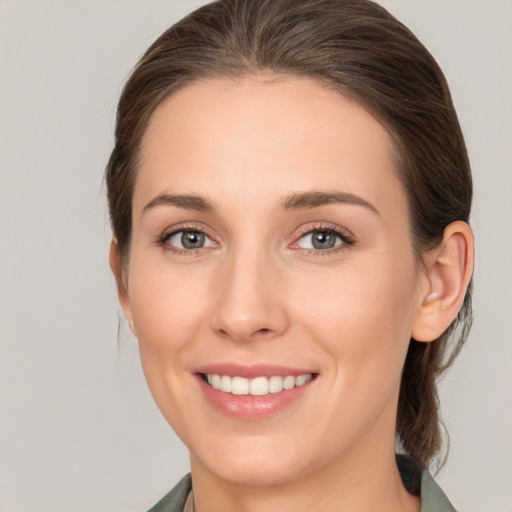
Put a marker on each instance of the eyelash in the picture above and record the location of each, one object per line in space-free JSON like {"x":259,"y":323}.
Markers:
{"x":347,"y":240}
{"x":163,"y":239}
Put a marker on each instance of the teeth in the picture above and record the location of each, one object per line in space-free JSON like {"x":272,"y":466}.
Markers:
{"x":225,"y":384}
{"x":275,"y":384}
{"x":216,"y":381}
{"x":289,"y":382}
{"x":239,"y":386}
{"x":259,"y":386}
{"x":301,"y":379}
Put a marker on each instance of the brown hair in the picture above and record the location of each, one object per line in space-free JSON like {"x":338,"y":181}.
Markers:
{"x":357,"y":48}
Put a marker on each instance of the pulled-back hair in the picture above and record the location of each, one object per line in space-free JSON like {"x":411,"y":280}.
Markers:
{"x":358,"y":49}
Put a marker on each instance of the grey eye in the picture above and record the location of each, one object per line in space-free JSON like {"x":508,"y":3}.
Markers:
{"x":190,"y":240}
{"x":320,"y":240}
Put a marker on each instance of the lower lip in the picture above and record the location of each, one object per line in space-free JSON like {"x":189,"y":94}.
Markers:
{"x":251,"y":407}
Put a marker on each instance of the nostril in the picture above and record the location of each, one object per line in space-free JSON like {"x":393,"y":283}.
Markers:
{"x":264,"y":332}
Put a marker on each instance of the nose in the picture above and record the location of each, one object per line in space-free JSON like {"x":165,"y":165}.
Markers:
{"x":249,"y":303}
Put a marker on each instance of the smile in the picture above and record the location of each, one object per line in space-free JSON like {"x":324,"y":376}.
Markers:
{"x":254,"y":392}
{"x":258,"y":386}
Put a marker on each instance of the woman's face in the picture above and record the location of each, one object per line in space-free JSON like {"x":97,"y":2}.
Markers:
{"x":271,"y":241}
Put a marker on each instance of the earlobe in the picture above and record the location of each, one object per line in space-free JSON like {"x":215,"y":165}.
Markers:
{"x":122,"y":292}
{"x":448,"y":273}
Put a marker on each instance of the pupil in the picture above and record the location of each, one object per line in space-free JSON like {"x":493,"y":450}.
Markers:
{"x":192,"y":240}
{"x":323,"y":240}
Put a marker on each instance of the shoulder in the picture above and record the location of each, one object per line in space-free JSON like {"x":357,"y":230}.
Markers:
{"x":175,"y":500}
{"x":417,"y":480}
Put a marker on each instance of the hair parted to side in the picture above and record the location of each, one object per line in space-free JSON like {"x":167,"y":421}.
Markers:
{"x":357,"y":48}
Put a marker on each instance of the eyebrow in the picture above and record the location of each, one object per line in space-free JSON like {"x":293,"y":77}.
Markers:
{"x":186,"y":201}
{"x":298,"y":201}
{"x":307,"y":200}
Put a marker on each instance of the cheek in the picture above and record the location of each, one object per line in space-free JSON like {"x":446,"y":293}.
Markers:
{"x":362,"y":317}
{"x":168,"y":310}
{"x":163,"y":301}
{"x":362,"y":322}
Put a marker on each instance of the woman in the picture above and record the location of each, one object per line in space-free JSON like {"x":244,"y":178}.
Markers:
{"x":289,"y":194}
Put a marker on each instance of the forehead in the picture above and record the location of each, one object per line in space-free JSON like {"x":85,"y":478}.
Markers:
{"x":253,"y":138}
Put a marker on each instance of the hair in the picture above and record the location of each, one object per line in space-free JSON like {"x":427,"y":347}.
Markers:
{"x":360,"y":50}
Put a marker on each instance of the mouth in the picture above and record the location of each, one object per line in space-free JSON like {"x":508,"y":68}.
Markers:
{"x":254,"y":392}
{"x":258,"y":386}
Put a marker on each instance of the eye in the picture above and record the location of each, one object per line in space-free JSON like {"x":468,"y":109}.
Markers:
{"x":323,"y":239}
{"x":184,"y":240}
{"x":319,"y":240}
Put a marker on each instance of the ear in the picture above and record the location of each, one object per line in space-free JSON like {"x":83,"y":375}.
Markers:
{"x":122,"y":291}
{"x":448,"y":272}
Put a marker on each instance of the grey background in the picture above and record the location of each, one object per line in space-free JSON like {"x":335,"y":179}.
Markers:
{"x":78,"y":429}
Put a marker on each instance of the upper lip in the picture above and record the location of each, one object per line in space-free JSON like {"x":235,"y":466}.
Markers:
{"x":251,"y":371}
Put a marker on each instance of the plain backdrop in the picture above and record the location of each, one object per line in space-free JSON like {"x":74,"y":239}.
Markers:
{"x":78,"y":429}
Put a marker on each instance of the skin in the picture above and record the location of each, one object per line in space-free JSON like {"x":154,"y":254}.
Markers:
{"x":257,"y":293}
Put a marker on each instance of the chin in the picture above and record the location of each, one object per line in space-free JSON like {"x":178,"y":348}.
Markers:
{"x":256,"y":473}
{"x":254,"y":462}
